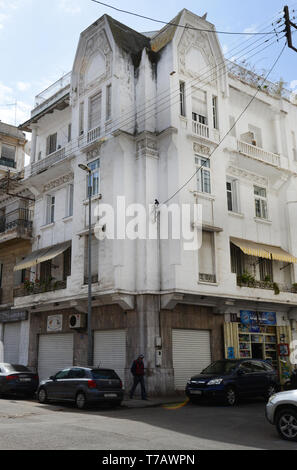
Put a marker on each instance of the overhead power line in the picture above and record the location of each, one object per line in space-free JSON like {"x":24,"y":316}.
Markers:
{"x":178,"y":25}
{"x":231,"y":128}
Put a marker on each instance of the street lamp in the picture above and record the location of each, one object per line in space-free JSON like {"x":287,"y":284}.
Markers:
{"x":90,"y":337}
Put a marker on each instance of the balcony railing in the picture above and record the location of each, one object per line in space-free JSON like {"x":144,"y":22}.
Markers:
{"x":93,"y":135}
{"x":7,"y":162}
{"x":258,"y":153}
{"x":59,"y":85}
{"x":20,"y":219}
{"x":204,"y":131}
{"x":31,"y":288}
{"x":48,"y":161}
{"x":207,"y":278}
{"x":267,"y":285}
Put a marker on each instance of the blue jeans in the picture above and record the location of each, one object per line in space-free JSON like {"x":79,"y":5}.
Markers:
{"x":138,"y":379}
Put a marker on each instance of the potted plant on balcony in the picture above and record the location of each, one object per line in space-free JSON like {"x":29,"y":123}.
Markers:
{"x":28,"y":286}
{"x":246,"y":279}
{"x":294,"y":288}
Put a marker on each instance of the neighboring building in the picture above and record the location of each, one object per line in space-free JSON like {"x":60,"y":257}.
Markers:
{"x":138,"y":110}
{"x":16,"y":216}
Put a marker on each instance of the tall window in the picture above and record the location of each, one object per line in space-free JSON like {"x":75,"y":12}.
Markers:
{"x":69,"y":211}
{"x":95,"y":111}
{"x":199,"y":106}
{"x":8,"y":152}
{"x":203,"y":174}
{"x":182,"y":98}
{"x":51,"y":144}
{"x":108,"y":102}
{"x":215,"y":112}
{"x":206,"y":258}
{"x":94,"y":177}
{"x":69,"y":132}
{"x":232,"y":195}
{"x":260,"y":202}
{"x":50,"y":209}
{"x":81,"y":118}
{"x":266,"y":269}
{"x":237,"y":260}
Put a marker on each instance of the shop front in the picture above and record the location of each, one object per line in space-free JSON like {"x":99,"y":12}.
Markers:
{"x":258,"y":335}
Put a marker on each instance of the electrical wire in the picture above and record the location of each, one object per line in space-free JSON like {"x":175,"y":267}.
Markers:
{"x":176,"y":24}
{"x":231,"y":128}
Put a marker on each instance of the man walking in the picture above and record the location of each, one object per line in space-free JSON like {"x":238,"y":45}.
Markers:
{"x":137,"y":370}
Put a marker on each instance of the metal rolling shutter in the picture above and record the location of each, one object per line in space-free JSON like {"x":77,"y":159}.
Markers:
{"x":12,"y":335}
{"x":190,"y":353}
{"x":55,"y":353}
{"x":110,"y":350}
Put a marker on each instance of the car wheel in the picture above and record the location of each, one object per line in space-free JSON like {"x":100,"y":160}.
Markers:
{"x":42,"y":396}
{"x":286,"y":424}
{"x":80,"y":401}
{"x":230,"y":396}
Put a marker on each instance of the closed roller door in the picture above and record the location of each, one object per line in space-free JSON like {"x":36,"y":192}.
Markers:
{"x":55,"y":353}
{"x":110,"y":350}
{"x":12,"y":335}
{"x":191,"y":354}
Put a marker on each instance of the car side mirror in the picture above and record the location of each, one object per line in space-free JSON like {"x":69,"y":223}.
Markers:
{"x":240,"y":372}
{"x":52,"y":377}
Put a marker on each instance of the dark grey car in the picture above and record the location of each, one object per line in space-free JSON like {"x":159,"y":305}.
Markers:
{"x":83,"y":386}
{"x":16,"y":379}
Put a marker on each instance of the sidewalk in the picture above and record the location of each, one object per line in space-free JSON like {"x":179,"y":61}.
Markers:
{"x":137,"y":402}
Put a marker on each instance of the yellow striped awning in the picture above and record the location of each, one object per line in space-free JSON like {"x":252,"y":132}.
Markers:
{"x":39,"y":256}
{"x":263,"y":251}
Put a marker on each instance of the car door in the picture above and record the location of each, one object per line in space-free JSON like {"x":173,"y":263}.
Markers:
{"x":76,"y":378}
{"x":57,"y":388}
{"x":246,"y":380}
{"x":260,"y":377}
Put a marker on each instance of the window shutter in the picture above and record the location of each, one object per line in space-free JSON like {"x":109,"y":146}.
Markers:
{"x":95,"y":111}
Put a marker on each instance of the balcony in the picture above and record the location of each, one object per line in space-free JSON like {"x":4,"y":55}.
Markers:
{"x":258,"y":153}
{"x":205,"y":132}
{"x":16,"y":224}
{"x":248,"y":281}
{"x":86,"y":141}
{"x":209,"y":278}
{"x":31,"y":288}
{"x":48,"y":161}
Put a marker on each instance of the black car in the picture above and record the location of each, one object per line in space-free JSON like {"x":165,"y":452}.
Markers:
{"x":16,"y":379}
{"x":83,"y":386}
{"x":228,"y":380}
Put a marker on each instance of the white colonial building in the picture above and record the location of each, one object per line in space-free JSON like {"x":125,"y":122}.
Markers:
{"x":145,"y":112}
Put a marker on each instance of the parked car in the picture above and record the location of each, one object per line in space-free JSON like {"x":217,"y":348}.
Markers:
{"x":281,"y":410}
{"x":228,"y":380}
{"x":16,"y":379}
{"x":83,"y":386}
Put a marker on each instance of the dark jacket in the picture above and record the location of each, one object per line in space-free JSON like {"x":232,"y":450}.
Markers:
{"x":137,"y":368}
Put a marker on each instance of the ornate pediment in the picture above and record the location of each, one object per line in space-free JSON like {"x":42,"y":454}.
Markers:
{"x":96,"y":65}
{"x":195,"y":57}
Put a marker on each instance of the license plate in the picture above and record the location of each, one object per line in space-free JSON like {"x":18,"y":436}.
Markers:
{"x":196,"y":392}
{"x":110,"y":395}
{"x":25,"y":380}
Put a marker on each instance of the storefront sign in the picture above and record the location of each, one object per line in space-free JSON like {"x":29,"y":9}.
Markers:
{"x":255,"y":319}
{"x":54,"y":323}
{"x":8,"y":316}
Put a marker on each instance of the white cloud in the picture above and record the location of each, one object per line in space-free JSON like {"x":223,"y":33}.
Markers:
{"x":251,"y":29}
{"x":70,"y":6}
{"x":23,"y":86}
{"x":12,"y":111}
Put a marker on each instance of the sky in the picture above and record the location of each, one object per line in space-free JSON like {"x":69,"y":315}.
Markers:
{"x":38,"y":39}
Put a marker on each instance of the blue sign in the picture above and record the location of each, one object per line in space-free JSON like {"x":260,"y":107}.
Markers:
{"x":254,"y":319}
{"x":230,"y":353}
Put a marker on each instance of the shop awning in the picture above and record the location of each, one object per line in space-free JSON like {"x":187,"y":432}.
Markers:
{"x":263,"y":251}
{"x":39,"y":256}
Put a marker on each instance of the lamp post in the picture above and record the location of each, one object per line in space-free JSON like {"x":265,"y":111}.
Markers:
{"x":90,"y":337}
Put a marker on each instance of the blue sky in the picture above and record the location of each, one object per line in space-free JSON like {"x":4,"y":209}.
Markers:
{"x":38,"y":38}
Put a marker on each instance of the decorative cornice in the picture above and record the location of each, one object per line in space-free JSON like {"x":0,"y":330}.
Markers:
{"x":58,"y":182}
{"x":147,"y":147}
{"x":246,"y":175}
{"x":201,"y":149}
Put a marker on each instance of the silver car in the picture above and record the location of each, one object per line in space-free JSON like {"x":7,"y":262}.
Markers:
{"x":281,"y":410}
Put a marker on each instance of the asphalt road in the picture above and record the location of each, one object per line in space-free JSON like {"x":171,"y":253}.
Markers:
{"x":28,"y":425}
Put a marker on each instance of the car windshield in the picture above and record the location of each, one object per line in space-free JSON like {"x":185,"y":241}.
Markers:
{"x":220,"y":367}
{"x":102,"y":374}
{"x":16,"y":368}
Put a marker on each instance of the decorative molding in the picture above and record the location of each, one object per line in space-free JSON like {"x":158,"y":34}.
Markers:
{"x":98,"y":43}
{"x":58,"y":182}
{"x":247,"y":175}
{"x":199,"y":40}
{"x":147,"y":147}
{"x":201,"y":149}
{"x":94,"y":152}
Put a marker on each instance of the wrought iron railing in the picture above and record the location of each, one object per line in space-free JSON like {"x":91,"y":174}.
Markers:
{"x":20,"y":219}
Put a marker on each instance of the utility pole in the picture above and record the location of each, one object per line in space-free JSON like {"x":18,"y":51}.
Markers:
{"x":289,"y":25}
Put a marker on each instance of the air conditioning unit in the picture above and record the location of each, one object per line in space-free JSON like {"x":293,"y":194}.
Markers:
{"x":77,"y":320}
